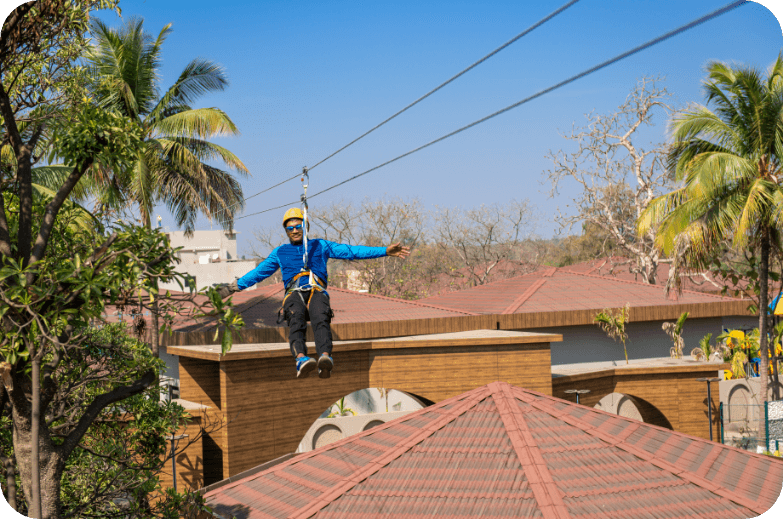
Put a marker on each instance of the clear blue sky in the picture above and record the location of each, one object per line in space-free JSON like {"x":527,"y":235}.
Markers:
{"x":308,"y":77}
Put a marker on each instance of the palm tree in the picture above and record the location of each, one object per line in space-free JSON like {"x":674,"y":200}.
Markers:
{"x":728,"y":160}
{"x":172,"y":166}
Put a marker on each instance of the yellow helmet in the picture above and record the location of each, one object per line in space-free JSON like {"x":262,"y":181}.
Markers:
{"x":294,"y":212}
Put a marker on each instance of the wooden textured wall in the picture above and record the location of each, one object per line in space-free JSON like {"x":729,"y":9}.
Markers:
{"x":199,"y":382}
{"x":678,"y":396}
{"x":269,"y":410}
{"x":437,"y":374}
{"x":190,"y":462}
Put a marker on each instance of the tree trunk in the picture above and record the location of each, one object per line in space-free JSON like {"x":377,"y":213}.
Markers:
{"x":35,"y":455}
{"x":155,"y":331}
{"x":763,"y":329}
{"x":10,"y":481}
{"x":49,"y":469}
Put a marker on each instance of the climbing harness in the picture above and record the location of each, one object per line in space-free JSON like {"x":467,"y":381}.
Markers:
{"x":314,"y":283}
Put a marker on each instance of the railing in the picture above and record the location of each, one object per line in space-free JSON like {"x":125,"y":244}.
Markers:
{"x":752,"y":427}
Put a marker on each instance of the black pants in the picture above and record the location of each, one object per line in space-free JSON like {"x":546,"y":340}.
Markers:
{"x":320,"y":316}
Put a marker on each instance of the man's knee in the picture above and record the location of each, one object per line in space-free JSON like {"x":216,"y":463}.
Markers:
{"x":320,"y":309}
{"x":295,"y":315}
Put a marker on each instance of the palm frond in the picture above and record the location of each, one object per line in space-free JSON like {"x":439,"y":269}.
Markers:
{"x":206,"y":151}
{"x":82,"y":218}
{"x":198,"y":123}
{"x":199,"y":77}
{"x":54,"y":176}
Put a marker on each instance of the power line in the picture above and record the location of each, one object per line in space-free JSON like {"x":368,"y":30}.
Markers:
{"x":422,"y":98}
{"x":589,"y":71}
{"x":474,"y":65}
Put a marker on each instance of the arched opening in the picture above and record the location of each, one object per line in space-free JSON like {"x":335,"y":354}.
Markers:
{"x":619,"y":404}
{"x":650,"y":414}
{"x":633,"y":407}
{"x":359,"y":411}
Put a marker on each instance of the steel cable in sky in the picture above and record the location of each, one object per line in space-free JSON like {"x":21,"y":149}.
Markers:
{"x":474,"y":65}
{"x":422,"y":98}
{"x":571,"y":79}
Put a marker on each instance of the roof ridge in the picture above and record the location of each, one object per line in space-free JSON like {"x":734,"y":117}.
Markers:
{"x":634,"y":450}
{"x":524,"y":296}
{"x":548,"y":497}
{"x":612,"y":278}
{"x":397,"y":300}
{"x":346,"y":483}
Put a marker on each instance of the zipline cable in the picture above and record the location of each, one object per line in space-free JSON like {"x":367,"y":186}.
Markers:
{"x":422,"y":98}
{"x":471,"y":67}
{"x":571,"y":79}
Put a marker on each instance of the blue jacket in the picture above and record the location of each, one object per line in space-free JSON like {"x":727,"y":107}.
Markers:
{"x":288,"y":258}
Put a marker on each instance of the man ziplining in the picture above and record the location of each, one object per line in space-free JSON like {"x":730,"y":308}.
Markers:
{"x":305,"y":287}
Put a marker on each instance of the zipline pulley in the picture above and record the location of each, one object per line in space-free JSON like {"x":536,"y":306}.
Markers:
{"x":303,"y":198}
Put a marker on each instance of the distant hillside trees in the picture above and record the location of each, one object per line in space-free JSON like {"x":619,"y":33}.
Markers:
{"x":453,"y":248}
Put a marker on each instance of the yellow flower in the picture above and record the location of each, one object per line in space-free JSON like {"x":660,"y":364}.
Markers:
{"x":727,"y":374}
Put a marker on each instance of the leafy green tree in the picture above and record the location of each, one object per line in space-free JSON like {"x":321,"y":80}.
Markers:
{"x":728,"y":162}
{"x":172,"y":165}
{"x":114,"y":469}
{"x":54,"y":280}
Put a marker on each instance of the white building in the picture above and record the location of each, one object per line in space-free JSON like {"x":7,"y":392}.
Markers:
{"x":208,"y":256}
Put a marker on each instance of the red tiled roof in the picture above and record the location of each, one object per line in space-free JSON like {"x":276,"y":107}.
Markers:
{"x":259,"y":308}
{"x":614,"y":267}
{"x":560,"y":289}
{"x":501,"y":451}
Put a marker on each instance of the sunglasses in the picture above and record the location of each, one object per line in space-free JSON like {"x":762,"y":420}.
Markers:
{"x":290,"y":228}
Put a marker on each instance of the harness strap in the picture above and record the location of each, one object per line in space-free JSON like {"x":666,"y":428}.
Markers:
{"x":319,"y":286}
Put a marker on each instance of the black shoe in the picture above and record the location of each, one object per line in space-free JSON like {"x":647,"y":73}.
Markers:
{"x":325,"y":365}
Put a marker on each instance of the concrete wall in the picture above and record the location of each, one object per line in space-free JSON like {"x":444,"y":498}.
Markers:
{"x":211,"y":273}
{"x":208,"y":256}
{"x":645,"y":339}
{"x":370,"y":401}
{"x":204,"y":242}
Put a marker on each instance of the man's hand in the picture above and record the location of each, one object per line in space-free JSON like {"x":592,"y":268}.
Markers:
{"x":397,"y":250}
{"x":226,"y":290}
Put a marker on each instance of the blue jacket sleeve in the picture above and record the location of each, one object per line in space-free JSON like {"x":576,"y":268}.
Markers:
{"x":264,"y":269}
{"x":353,"y":252}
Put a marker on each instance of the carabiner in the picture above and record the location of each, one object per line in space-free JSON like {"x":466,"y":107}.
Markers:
{"x":305,"y":175}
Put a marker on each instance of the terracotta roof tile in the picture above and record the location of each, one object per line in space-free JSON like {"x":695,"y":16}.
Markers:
{"x":259,"y":308}
{"x":548,"y":290}
{"x":502,"y":451}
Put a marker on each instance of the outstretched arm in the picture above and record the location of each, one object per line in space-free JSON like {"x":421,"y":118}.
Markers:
{"x":397,"y":250}
{"x":265,"y":269}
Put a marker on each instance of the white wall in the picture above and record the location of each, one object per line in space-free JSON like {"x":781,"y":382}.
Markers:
{"x":368,"y":401}
{"x":210,"y":273}
{"x":203,"y":242}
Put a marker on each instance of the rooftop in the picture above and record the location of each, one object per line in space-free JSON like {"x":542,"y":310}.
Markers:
{"x":259,"y":308}
{"x":561,"y":289}
{"x":503,"y":451}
